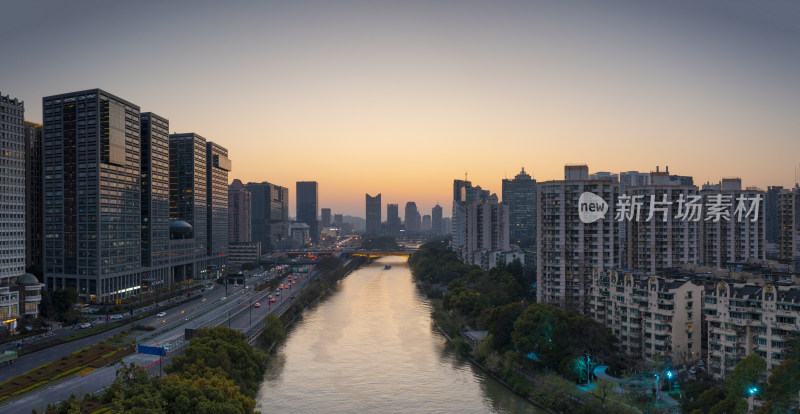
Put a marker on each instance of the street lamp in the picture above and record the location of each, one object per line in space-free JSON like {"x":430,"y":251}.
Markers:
{"x":588,"y":374}
{"x":656,"y":375}
{"x":751,"y":393}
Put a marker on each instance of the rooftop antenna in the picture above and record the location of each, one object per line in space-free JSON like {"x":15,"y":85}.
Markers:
{"x":465,"y":175}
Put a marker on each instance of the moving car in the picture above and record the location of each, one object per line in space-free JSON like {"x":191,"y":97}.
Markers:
{"x":161,"y":314}
{"x":257,"y":305}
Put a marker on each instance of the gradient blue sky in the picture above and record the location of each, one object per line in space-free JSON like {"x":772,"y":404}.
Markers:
{"x":402,"y":97}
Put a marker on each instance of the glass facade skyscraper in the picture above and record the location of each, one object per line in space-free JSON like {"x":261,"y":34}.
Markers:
{"x":218,"y":166}
{"x":520,"y":196}
{"x":270,"y":214}
{"x":436,"y":220}
{"x":308,"y":206}
{"x":92,"y":187}
{"x":155,"y":190}
{"x":33,"y":196}
{"x":373,"y":214}
{"x":188,"y":186}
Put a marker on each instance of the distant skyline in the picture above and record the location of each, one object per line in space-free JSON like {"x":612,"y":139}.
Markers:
{"x":400,"y":98}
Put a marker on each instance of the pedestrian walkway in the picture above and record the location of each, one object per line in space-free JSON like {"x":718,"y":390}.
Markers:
{"x":600,"y":373}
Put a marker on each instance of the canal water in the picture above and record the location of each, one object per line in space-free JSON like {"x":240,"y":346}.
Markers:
{"x":370,"y":347}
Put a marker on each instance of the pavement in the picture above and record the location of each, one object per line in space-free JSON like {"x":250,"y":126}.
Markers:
{"x":600,"y":373}
{"x":96,"y":381}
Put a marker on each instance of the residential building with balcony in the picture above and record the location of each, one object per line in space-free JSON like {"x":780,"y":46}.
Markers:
{"x":662,"y":231}
{"x":740,"y":236}
{"x":745,"y":318}
{"x":789,"y":224}
{"x":569,"y":250}
{"x":650,"y":315}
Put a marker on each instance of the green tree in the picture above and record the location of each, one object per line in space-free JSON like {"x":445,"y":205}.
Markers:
{"x":203,"y":390}
{"x":603,"y":389}
{"x":729,"y":406}
{"x":501,"y":324}
{"x":224,"y":348}
{"x":540,"y":330}
{"x":274,"y":331}
{"x":134,"y":391}
{"x":706,"y":400}
{"x":749,"y":372}
{"x":783,"y":385}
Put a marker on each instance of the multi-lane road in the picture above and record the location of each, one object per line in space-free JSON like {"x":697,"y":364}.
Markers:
{"x":237,"y":310}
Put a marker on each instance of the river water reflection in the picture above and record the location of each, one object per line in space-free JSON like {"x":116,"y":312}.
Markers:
{"x":370,"y":348}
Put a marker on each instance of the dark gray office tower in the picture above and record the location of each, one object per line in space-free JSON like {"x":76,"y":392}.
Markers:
{"x":188,"y":188}
{"x":338,"y":221}
{"x":308,"y":206}
{"x":436,"y":220}
{"x":426,"y":223}
{"x":270,"y":214}
{"x":413,"y":220}
{"x":520,"y":196}
{"x":393,"y":214}
{"x":217,"y":169}
{"x":92,"y":201}
{"x":33,"y":196}
{"x":155,"y":190}
{"x":326,"y":217}
{"x":373,"y":214}
{"x":771,"y":203}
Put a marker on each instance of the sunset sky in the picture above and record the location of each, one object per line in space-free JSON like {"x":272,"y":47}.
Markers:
{"x":401,"y":97}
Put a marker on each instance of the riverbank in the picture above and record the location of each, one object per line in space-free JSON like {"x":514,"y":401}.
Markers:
{"x":536,"y":350}
{"x":492,"y":374}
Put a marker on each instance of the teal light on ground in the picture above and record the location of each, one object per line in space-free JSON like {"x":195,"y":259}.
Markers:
{"x":533,"y":356}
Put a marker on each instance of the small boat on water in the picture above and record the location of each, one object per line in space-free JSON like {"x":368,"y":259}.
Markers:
{"x":387,"y":267}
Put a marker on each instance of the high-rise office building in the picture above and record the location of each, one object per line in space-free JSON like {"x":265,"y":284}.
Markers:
{"x":436,"y":220}
{"x":339,"y":221}
{"x":771,"y":211}
{"x":426,"y":223}
{"x":568,"y":249}
{"x":520,"y":196}
{"x":270,"y":214}
{"x":155,"y":191}
{"x":662,"y":239}
{"x":92,"y":202}
{"x":413,"y":220}
{"x":447,"y":226}
{"x":739,"y":237}
{"x":217,"y":168}
{"x":393,"y":214}
{"x":373,"y":214}
{"x":33,"y":196}
{"x":12,"y":186}
{"x":188,"y":182}
{"x":789,"y":223}
{"x":325,"y":217}
{"x":308,"y":206}
{"x":240,"y":213}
